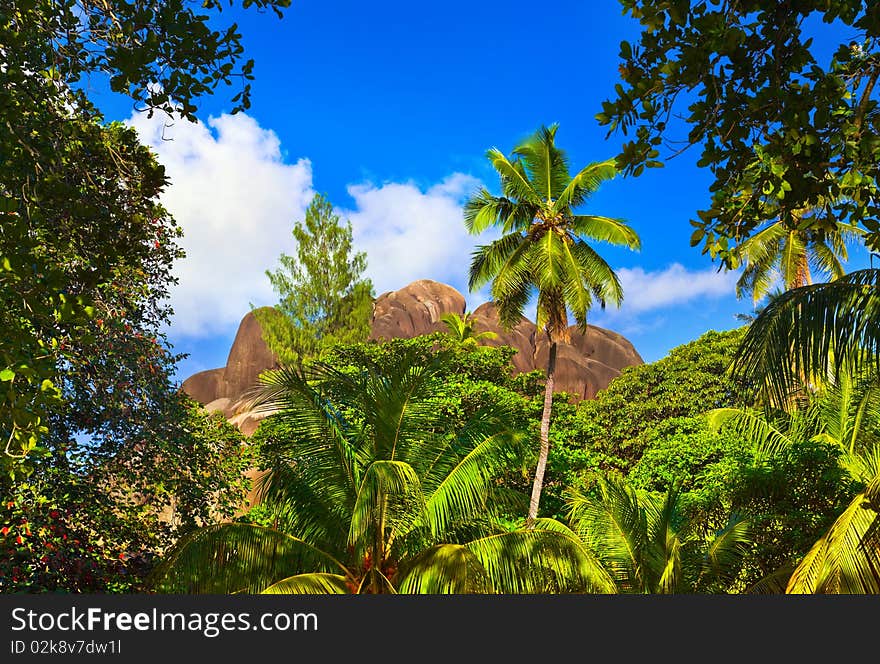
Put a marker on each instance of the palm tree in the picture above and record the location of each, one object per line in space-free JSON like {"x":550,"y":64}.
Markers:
{"x":784,"y":251}
{"x":646,"y":545}
{"x":845,"y":414}
{"x":463,"y":329}
{"x":372,"y":494}
{"x":542,"y":248}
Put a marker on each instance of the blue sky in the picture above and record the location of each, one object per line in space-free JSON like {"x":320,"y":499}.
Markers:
{"x":388,"y":109}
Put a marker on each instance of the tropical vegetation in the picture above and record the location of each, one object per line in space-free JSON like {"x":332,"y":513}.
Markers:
{"x":745,"y":461}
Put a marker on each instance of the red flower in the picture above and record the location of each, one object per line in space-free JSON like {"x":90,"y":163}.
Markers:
{"x":4,"y":530}
{"x":19,"y":540}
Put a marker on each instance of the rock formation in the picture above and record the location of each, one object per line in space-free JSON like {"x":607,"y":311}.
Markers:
{"x":222,"y":389}
{"x":414,"y":310}
{"x":584,"y":366}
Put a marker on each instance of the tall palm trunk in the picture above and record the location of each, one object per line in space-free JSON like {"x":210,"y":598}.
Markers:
{"x":803,"y":277}
{"x":545,"y":435}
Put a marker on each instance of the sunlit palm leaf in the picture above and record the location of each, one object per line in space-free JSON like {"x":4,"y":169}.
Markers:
{"x":514,"y":181}
{"x":445,"y":569}
{"x":310,"y":584}
{"x":464,"y":489}
{"x":583,"y":184}
{"x":727,"y":549}
{"x":774,"y":583}
{"x":615,"y":527}
{"x":538,"y":560}
{"x":605,"y":229}
{"x":767,"y":439}
{"x":231,"y":558}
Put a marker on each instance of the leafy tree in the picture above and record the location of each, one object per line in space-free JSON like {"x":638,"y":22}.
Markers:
{"x":684,"y":452}
{"x":543,"y":249}
{"x":80,"y":221}
{"x":87,"y":269}
{"x":844,"y":559}
{"x":646,"y":545}
{"x":324,"y":299}
{"x":791,"y":499}
{"x":163,"y":55}
{"x":83,"y":523}
{"x":775,"y":124}
{"x":373,"y":494}
{"x":621,"y":421}
{"x":85,"y":266}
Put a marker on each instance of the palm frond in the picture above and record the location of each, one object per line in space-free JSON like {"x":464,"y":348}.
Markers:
{"x":231,"y":558}
{"x":773,"y":583}
{"x":811,"y":333}
{"x":389,"y":500}
{"x":514,"y":181}
{"x":483,"y":210}
{"x":614,"y":526}
{"x":539,"y":560}
{"x":767,"y":439}
{"x":503,"y":259}
{"x":304,"y":503}
{"x":444,"y":569}
{"x":322,"y":431}
{"x":465,"y":488}
{"x":546,"y":165}
{"x":605,"y":229}
{"x":727,"y":549}
{"x":598,"y":273}
{"x":583,"y":184}
{"x":837,"y":563}
{"x":316,"y":583}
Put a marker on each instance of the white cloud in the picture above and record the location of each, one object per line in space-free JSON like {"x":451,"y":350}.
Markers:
{"x":236,"y":200}
{"x":411,"y":234}
{"x":673,"y":286}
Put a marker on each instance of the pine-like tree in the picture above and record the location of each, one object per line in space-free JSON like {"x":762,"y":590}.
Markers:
{"x":323,"y":297}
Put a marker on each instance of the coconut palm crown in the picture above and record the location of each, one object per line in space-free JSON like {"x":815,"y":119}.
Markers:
{"x":544,"y":248}
{"x":787,"y":252}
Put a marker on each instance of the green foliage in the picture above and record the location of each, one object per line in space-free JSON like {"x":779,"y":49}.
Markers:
{"x":84,"y":281}
{"x":163,"y":55}
{"x":648,"y":546}
{"x":791,"y":498}
{"x":690,"y":380}
{"x":685,"y":453}
{"x":96,"y":438}
{"x":83,"y":523}
{"x":780,"y":131}
{"x":324,"y":299}
{"x":374,"y":492}
{"x":814,"y":333}
{"x":463,"y":329}
{"x":791,"y":254}
{"x":84,"y":245}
